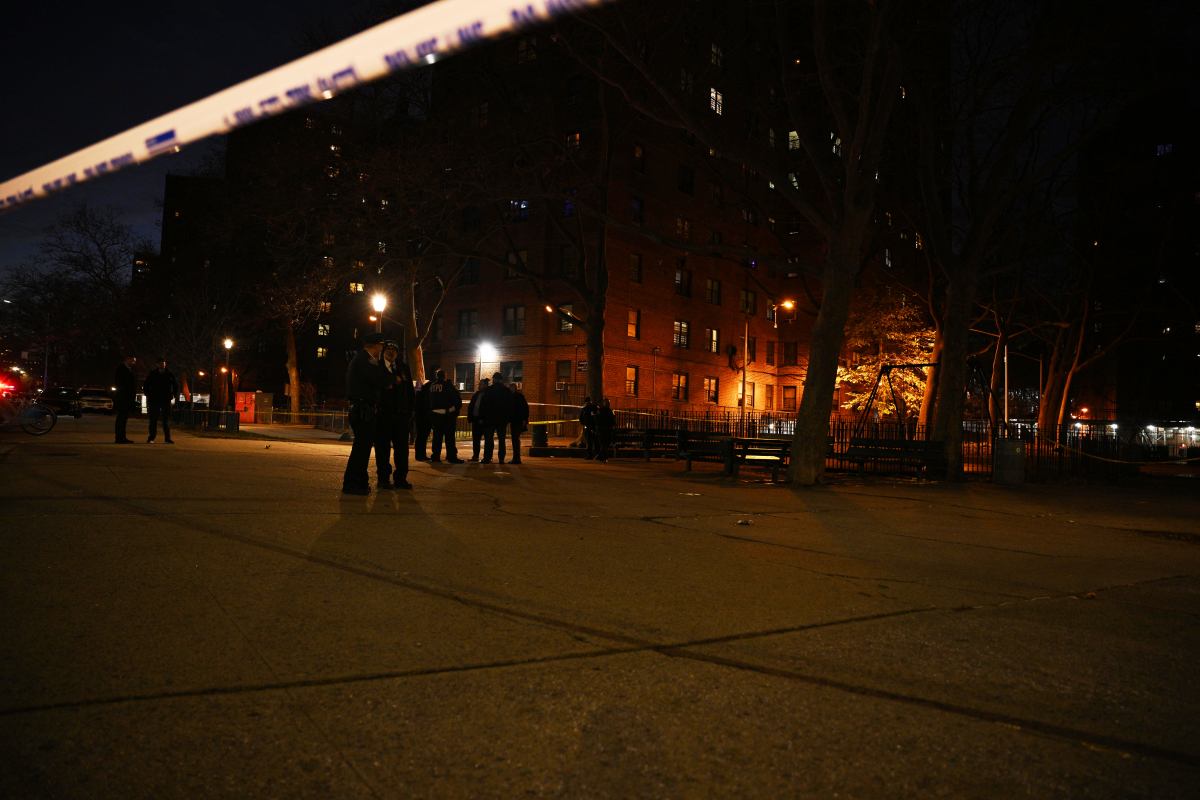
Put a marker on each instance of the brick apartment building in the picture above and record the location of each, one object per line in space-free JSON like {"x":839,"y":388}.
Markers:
{"x":695,"y":271}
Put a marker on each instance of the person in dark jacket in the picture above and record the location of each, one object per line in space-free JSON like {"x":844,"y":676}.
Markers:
{"x":518,"y":422}
{"x":126,"y":383}
{"x":587,"y":420}
{"x":366,"y":378}
{"x":606,"y":421}
{"x":495,"y":408}
{"x":395,"y":419}
{"x":421,"y":422}
{"x":444,"y":405}
{"x":476,"y":420}
{"x":161,"y":390}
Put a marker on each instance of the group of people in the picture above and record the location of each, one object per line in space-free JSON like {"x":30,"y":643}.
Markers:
{"x":160,"y":389}
{"x":385,"y":405}
{"x":598,"y":422}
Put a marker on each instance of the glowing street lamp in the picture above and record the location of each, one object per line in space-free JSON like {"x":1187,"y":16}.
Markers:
{"x":379,"y":303}
{"x":487,"y":352}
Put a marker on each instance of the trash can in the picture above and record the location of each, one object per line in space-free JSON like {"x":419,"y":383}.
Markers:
{"x":1008,"y":462}
{"x":538,"y":436}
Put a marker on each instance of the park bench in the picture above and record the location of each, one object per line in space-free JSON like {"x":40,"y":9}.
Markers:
{"x":921,"y":454}
{"x":715,"y":447}
{"x":769,"y":453}
{"x":646,"y":443}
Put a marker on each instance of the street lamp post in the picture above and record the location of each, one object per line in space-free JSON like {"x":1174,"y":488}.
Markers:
{"x":379,"y":303}
{"x":227,"y":380}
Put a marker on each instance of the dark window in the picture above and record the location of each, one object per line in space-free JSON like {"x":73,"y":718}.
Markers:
{"x":470,"y":272}
{"x":789,"y":398}
{"x":771,"y":353}
{"x":637,"y":212}
{"x":683,"y":280}
{"x":513,"y":371}
{"x":712,"y":291}
{"x":471,"y":218}
{"x":752,"y":349}
{"x":639,"y":158}
{"x":514,"y":320}
{"x":712,"y":389}
{"x":789,"y":354}
{"x":468,"y":324}
{"x":687,"y":179}
{"x":635,"y":267}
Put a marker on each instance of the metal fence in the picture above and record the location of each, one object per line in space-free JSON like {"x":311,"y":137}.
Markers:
{"x":205,"y":419}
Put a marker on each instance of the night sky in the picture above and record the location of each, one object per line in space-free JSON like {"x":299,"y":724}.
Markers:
{"x":77,"y":73}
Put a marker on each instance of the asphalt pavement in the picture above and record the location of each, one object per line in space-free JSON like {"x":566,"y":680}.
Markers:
{"x":214,"y":619}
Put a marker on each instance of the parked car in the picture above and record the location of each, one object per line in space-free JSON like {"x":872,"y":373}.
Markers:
{"x":63,"y":401}
{"x":96,"y":400}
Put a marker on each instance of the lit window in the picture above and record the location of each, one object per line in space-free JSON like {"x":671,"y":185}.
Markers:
{"x":769,"y":396}
{"x":749,"y":399}
{"x":633,"y":325}
{"x":336,"y":149}
{"x":355,"y":288}
{"x":712,"y":340}
{"x":565,"y":325}
{"x":322,"y":329}
{"x":903,"y":93}
{"x":680,"y":335}
{"x":381,"y":247}
{"x":574,"y":140}
{"x":716,"y":101}
{"x":518,"y":209}
{"x":322,"y":352}
{"x":325,"y":307}
{"x":712,"y":389}
{"x":835,"y":143}
{"x":793,"y":140}
{"x":679,"y":386}
{"x":795,"y":181}
{"x":887,"y":257}
{"x":631,"y":381}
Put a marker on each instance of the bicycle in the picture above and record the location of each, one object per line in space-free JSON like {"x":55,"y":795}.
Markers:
{"x":33,"y":417}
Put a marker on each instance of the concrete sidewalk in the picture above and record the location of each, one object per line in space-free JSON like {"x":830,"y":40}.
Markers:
{"x":213,"y":619}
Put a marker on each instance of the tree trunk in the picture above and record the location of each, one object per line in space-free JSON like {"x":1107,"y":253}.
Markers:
{"x":809,"y":444}
{"x":928,"y":401}
{"x":594,"y":336}
{"x":293,"y":369}
{"x":952,"y":378}
{"x":997,"y":386}
{"x":413,"y":341}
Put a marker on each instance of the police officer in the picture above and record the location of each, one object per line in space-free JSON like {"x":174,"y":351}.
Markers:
{"x":395,"y":417}
{"x":474,"y":418}
{"x":421,"y":422}
{"x":366,"y":378}
{"x":495,"y":408}
{"x":126,"y":383}
{"x":518,"y":421}
{"x":161,"y":390}
{"x":444,"y":403}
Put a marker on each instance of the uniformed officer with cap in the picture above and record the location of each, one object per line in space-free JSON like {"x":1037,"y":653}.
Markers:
{"x":366,"y":379}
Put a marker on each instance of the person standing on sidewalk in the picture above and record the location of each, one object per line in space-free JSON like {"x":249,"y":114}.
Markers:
{"x":495,"y":408}
{"x":587,"y":420}
{"x":366,"y":378}
{"x":476,"y":420}
{"x":161,"y":390}
{"x":444,"y":405}
{"x":518,"y":421}
{"x":395,"y":418}
{"x":421,"y":422}
{"x":126,"y":383}
{"x":606,"y":421}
